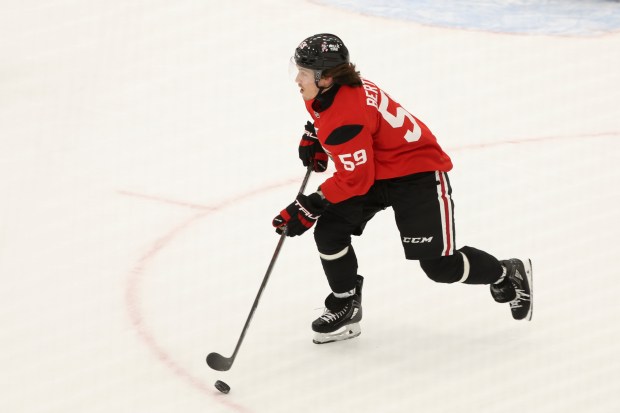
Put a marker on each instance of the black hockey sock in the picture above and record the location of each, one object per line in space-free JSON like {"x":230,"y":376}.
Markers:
{"x":483,"y":267}
{"x":341,"y":270}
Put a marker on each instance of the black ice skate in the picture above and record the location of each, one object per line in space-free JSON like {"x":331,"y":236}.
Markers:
{"x":341,"y":318}
{"x":516,"y":288}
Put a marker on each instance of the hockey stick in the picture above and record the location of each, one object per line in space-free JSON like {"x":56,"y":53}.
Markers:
{"x":215,"y":360}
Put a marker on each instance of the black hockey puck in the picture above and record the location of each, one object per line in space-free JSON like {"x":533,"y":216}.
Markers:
{"x":221,"y":386}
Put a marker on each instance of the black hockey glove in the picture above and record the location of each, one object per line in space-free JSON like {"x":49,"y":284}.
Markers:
{"x":310,"y":150}
{"x":301,"y":215}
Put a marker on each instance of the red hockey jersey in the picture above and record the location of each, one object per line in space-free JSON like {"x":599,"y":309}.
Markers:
{"x":370,"y":136}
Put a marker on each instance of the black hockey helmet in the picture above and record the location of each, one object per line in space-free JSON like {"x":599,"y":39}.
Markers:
{"x":320,"y":52}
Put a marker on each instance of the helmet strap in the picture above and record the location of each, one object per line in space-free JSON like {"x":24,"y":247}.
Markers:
{"x":317,"y":78}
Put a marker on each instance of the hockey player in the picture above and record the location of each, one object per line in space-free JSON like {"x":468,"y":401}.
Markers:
{"x":384,"y":157}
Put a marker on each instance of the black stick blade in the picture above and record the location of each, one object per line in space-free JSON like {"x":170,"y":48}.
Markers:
{"x":218,"y":362}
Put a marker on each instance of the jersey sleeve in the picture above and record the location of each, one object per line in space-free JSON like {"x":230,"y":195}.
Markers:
{"x":350,"y":147}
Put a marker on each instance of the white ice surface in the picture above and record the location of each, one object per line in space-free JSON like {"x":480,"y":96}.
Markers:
{"x":146,"y":146}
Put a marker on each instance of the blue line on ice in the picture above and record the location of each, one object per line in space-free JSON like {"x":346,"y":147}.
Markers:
{"x":545,"y":17}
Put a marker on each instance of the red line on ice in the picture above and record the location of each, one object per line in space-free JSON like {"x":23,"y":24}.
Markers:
{"x":138,"y":272}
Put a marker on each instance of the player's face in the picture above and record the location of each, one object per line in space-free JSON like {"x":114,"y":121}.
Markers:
{"x":305,"y":81}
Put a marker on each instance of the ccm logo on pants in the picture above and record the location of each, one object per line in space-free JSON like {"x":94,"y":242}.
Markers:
{"x":417,"y":240}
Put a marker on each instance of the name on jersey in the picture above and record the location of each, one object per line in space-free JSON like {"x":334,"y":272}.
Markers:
{"x":372,"y":93}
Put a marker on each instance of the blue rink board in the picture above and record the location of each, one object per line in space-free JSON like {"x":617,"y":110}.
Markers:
{"x":550,"y":17}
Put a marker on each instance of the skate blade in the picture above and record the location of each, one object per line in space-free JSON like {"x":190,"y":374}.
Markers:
{"x":530,"y":279}
{"x":344,"y":333}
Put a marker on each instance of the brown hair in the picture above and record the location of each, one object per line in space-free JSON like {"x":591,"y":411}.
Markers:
{"x":344,"y":74}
